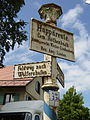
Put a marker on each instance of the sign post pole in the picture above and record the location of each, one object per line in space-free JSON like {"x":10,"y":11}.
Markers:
{"x":50,"y":13}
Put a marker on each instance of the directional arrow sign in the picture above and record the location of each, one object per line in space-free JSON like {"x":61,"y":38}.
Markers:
{"x":29,"y":70}
{"x":60,"y":75}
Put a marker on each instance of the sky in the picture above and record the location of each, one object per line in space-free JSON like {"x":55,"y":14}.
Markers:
{"x":75,"y":18}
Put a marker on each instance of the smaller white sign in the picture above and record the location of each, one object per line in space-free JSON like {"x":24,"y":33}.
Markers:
{"x":29,"y":70}
{"x":53,"y":98}
{"x":60,"y":76}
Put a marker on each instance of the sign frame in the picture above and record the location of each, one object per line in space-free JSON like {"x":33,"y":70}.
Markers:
{"x":60,"y":76}
{"x":31,"y":70}
{"x":51,"y":40}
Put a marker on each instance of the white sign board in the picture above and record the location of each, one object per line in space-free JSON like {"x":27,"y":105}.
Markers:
{"x":51,"y":40}
{"x":60,"y":75}
{"x":32,"y":70}
{"x":53,"y":98}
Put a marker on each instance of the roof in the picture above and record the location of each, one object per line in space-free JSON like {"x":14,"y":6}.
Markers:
{"x":6,"y":77}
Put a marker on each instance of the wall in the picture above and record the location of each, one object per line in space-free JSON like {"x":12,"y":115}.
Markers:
{"x":30,"y":88}
{"x":18,"y":91}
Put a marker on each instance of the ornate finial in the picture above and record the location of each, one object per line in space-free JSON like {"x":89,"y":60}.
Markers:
{"x":50,"y":12}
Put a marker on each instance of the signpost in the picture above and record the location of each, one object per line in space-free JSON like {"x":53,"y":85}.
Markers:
{"x":55,"y":42}
{"x":29,"y":70}
{"x":51,"y":40}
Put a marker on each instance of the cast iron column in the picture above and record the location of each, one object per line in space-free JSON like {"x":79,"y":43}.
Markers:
{"x":50,"y":13}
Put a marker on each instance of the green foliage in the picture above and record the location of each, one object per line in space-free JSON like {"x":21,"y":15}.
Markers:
{"x":11,"y":30}
{"x":71,"y":107}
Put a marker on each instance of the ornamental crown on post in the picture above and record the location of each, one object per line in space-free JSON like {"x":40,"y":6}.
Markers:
{"x":50,"y":12}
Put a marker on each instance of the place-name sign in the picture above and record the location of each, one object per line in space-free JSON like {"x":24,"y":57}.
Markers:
{"x":30,"y":70}
{"x":51,"y":40}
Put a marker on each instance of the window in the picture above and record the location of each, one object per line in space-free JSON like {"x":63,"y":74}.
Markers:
{"x":28,"y":116}
{"x":37,"y":87}
{"x":10,"y":97}
{"x":28,"y":98}
{"x":15,"y":116}
{"x":37,"y":117}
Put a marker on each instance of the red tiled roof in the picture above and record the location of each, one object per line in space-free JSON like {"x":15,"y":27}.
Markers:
{"x":6,"y":78}
{"x":6,"y":73}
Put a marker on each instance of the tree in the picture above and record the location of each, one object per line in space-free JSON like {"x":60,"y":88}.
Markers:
{"x":71,"y":107}
{"x":11,"y":29}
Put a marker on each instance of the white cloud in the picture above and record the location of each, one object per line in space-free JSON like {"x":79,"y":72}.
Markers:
{"x":71,"y":17}
{"x":78,"y":73}
{"x":80,"y":48}
{"x":71,"y":20}
{"x":19,"y":55}
{"x":86,"y":65}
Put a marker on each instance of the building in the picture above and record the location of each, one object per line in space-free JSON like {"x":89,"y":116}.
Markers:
{"x":18,"y":89}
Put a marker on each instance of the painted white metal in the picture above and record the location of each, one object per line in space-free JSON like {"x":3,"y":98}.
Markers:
{"x":45,"y":117}
{"x":23,"y":106}
{"x":46,"y":100}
